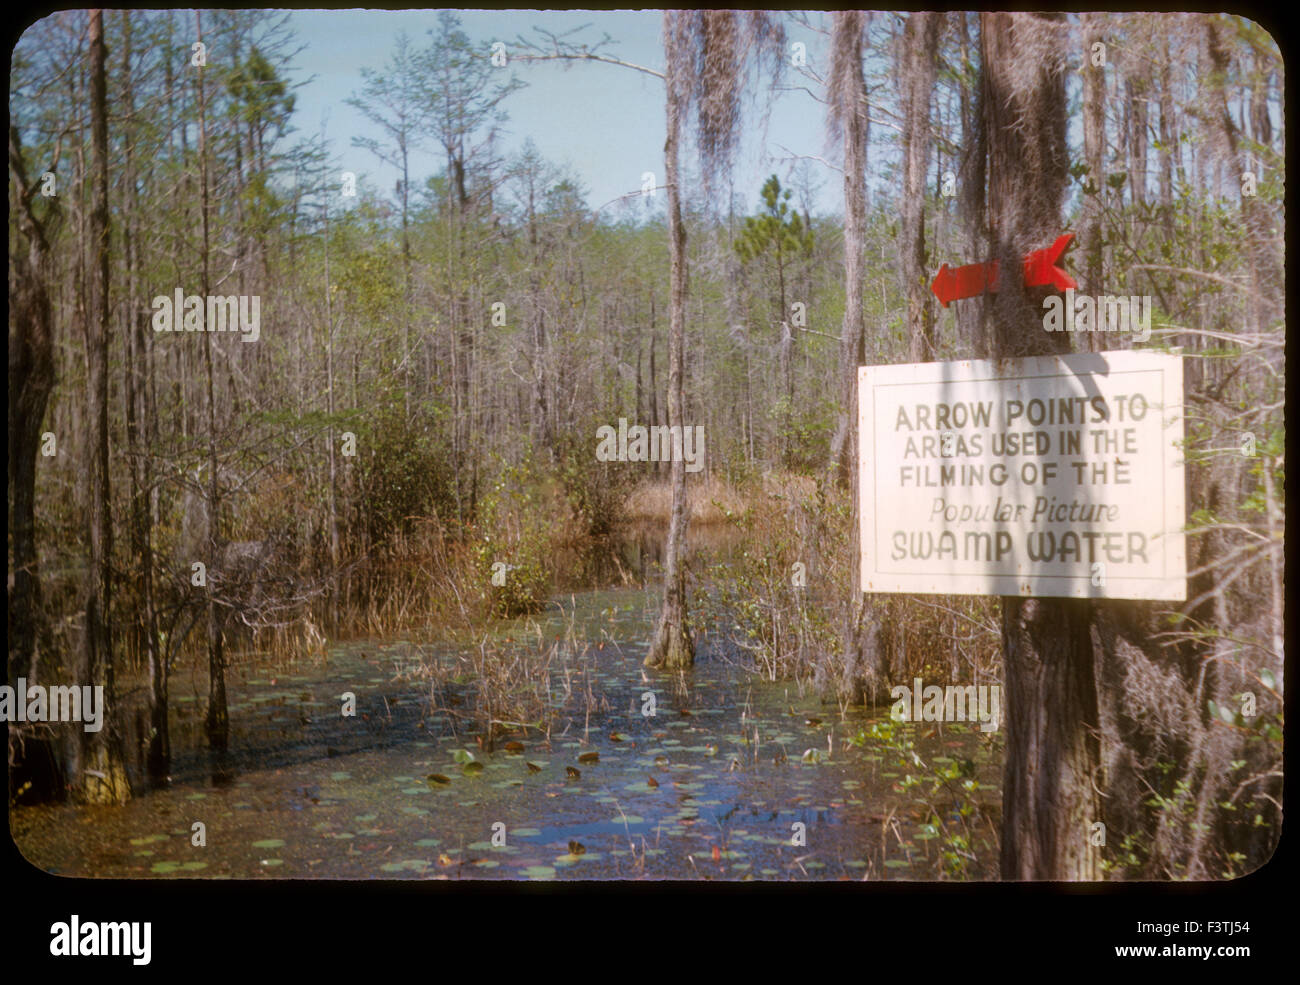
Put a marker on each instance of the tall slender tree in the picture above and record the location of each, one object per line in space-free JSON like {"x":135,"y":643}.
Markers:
{"x":919,"y":45}
{"x":218,"y":717}
{"x":463,"y":92}
{"x":673,"y":645}
{"x":1050,"y":794}
{"x":783,"y":234}
{"x":707,"y":57}
{"x":394,"y":98}
{"x":846,"y":117}
{"x":861,"y":670}
{"x":138,"y":413}
{"x":1094,"y":152}
{"x":31,"y":380}
{"x":101,"y":777}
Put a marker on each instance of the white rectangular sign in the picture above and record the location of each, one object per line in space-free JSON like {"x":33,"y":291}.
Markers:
{"x":1050,"y":476}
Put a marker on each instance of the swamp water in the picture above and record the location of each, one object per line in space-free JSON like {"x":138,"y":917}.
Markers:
{"x":731,"y":778}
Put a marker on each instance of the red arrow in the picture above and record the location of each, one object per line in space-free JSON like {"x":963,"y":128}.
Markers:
{"x":954,"y":283}
{"x":1041,"y":268}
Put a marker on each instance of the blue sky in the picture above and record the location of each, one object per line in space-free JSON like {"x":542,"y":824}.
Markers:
{"x":606,"y":122}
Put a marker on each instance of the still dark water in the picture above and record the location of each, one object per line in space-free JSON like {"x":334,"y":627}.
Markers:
{"x":634,"y":774}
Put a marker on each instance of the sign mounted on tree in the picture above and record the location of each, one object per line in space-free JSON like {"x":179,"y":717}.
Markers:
{"x":955,"y":283}
{"x":1050,"y":476}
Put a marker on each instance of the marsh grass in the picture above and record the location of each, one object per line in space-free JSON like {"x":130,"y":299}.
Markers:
{"x":708,"y":501}
{"x":786,"y":623}
{"x":492,"y":685}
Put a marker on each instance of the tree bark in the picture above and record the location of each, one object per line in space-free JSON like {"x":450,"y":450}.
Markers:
{"x":1094,"y":153}
{"x":101,"y":778}
{"x":1050,"y":797}
{"x":1266,"y":274}
{"x":920,"y":41}
{"x":861,"y":670}
{"x":218,"y":718}
{"x":1168,"y":142}
{"x":672,"y":646}
{"x":31,"y":380}
{"x":140,"y":451}
{"x":849,"y":27}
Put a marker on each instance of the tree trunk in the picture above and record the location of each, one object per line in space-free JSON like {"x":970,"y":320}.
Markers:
{"x":329,"y":434}
{"x":861,"y":669}
{"x":654,"y":377}
{"x":218,"y":718}
{"x":1050,"y":798}
{"x":849,"y":27}
{"x":140,"y":451}
{"x":1168,"y":144}
{"x":920,"y":42}
{"x":537,"y":319}
{"x":406,"y":279}
{"x":1266,"y":274}
{"x":102,"y":778}
{"x":672,"y":646}
{"x":31,"y":380}
{"x":1094,"y":154}
{"x":1136,"y":89}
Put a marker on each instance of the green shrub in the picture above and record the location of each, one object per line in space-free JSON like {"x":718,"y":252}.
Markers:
{"x":403,"y":472}
{"x":515,"y":533}
{"x":596,"y":490}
